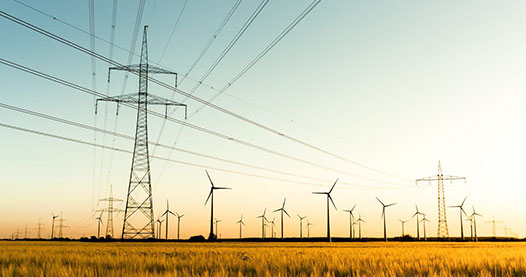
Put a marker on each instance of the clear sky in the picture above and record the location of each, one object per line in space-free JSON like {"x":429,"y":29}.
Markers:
{"x":394,"y":85}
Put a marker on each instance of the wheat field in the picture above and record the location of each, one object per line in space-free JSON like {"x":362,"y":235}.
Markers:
{"x":23,"y":258}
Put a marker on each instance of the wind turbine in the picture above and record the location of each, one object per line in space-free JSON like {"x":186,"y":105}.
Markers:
{"x":470,"y":219}
{"x":273,"y":224}
{"x":403,"y":222}
{"x":53,"y":225}
{"x":263,"y":219}
{"x":282,"y":210}
{"x":474,"y":216}
{"x":417,"y":213}
{"x":383,"y":216}
{"x":360,"y":220}
{"x":178,"y":223}
{"x":351,"y":218}
{"x":301,"y":225}
{"x":241,"y":224}
{"x":308,"y":228}
{"x":160,"y":227}
{"x":461,"y":210}
{"x":328,"y":211}
{"x":211,"y":236}
{"x":99,"y":221}
{"x":217,"y":230}
{"x":424,"y":219}
{"x":167,"y":214}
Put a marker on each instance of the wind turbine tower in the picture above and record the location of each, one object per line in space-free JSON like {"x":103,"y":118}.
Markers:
{"x":351,"y":220}
{"x":474,"y":216}
{"x":360,"y":220}
{"x":178,"y":223}
{"x":329,"y":198}
{"x":424,"y":219}
{"x":442,"y":218}
{"x":301,"y":225}
{"x":167,"y":214}
{"x":53,"y":225}
{"x":403,"y":222}
{"x":138,"y":214}
{"x":99,"y":221}
{"x":211,"y":236}
{"x":383,"y":215}
{"x":417,"y":214}
{"x":263,"y":219}
{"x":461,"y":210}
{"x":282,"y":210}
{"x":241,"y":224}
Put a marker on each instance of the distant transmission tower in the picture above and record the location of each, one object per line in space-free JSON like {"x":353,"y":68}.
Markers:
{"x":61,"y":226}
{"x":138,"y":215}
{"x":110,"y":210}
{"x":39,"y":228}
{"x":442,"y":218}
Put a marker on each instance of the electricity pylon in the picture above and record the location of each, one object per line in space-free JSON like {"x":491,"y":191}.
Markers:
{"x":442,"y":218}
{"x":39,"y":228}
{"x":110,"y":210}
{"x":494,"y":226}
{"x":61,"y":226}
{"x":138,"y":214}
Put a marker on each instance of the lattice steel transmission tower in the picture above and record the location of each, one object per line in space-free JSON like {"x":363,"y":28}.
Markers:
{"x":110,"y":210}
{"x":442,"y":218}
{"x":138,"y":214}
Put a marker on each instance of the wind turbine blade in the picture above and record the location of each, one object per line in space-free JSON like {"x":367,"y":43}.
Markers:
{"x":264,"y":211}
{"x":221,"y":188}
{"x":319,"y":193}
{"x":353,"y":208}
{"x":286,"y":212}
{"x":211,"y":182}
{"x":283,"y":206}
{"x":383,"y":212}
{"x":392,"y":204}
{"x":333,"y":185}
{"x":380,"y":201}
{"x":330,"y":198}
{"x":276,"y":210}
{"x":464,"y":201}
{"x":172,"y":213}
{"x":210,"y":194}
{"x":167,"y":205}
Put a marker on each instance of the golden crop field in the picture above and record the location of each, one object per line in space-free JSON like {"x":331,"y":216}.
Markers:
{"x":20,"y":258}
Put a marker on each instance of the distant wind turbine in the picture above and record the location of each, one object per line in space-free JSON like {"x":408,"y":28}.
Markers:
{"x":461,"y":210}
{"x":308,"y":228}
{"x":474,"y":216}
{"x":53,"y":225}
{"x":301,"y":225}
{"x":424,"y":219}
{"x":166,"y":214}
{"x":217,"y":222}
{"x":211,"y":236}
{"x":328,"y":210}
{"x":178,"y":223}
{"x":272,"y":224}
{"x":351,"y":218}
{"x":160,"y":227}
{"x":383,"y":216}
{"x":99,"y":221}
{"x":241,"y":224}
{"x":360,"y":220}
{"x":417,"y":214}
{"x":282,"y":210}
{"x":263,"y":219}
{"x":403,"y":222}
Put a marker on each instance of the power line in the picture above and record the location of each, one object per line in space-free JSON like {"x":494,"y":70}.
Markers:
{"x":212,"y":39}
{"x":91,"y":18}
{"x":269,"y":47}
{"x":173,"y":30}
{"x":216,"y":107}
{"x":236,"y":38}
{"x":186,"y":124}
{"x":124,"y":136}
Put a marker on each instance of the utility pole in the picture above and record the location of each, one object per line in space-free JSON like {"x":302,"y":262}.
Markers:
{"x":442,"y":218}
{"x":109,"y":210}
{"x":39,"y":228}
{"x":138,"y":215}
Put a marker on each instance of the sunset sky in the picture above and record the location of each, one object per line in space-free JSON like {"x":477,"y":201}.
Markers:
{"x":396,"y":86}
